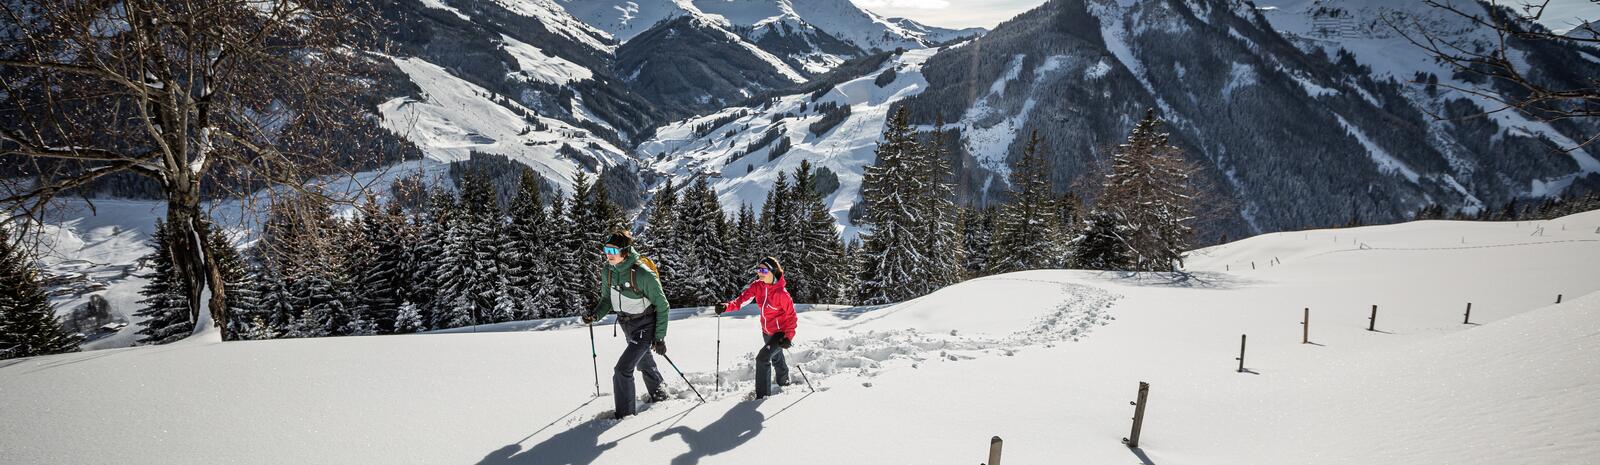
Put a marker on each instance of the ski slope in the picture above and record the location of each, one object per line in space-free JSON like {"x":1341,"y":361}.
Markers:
{"x":1048,"y":360}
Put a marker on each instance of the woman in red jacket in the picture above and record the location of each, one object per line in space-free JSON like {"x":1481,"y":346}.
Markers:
{"x":777,"y":323}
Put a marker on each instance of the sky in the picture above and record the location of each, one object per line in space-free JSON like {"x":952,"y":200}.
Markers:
{"x":1561,"y":15}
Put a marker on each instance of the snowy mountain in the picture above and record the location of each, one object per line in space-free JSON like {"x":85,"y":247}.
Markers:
{"x":1295,"y":126}
{"x":626,"y":19}
{"x":520,"y":78}
{"x":937,"y":34}
{"x":739,"y":146}
{"x":1048,"y":360}
{"x":690,"y":64}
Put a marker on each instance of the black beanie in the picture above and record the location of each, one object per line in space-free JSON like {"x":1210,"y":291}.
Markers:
{"x":772,"y":264}
{"x":619,"y":239}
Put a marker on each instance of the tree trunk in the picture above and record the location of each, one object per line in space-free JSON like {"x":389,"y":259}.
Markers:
{"x":190,"y":258}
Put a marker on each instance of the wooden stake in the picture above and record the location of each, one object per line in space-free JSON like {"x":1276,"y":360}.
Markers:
{"x":994,"y":450}
{"x":1305,"y":331}
{"x":1252,"y":265}
{"x":1241,"y":353}
{"x":1138,"y":415}
{"x":1372,"y":322}
{"x":1468,"y":319}
{"x":1558,"y":298}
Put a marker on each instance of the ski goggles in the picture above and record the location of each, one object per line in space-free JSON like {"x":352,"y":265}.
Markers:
{"x":762,"y":270}
{"x":613,"y":251}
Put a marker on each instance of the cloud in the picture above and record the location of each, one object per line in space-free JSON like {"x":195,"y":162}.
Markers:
{"x":905,"y":4}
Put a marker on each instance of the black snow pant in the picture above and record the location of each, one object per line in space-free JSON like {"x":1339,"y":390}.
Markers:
{"x":767,"y":358}
{"x":640,"y":333}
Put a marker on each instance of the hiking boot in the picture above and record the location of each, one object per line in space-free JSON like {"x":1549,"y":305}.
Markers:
{"x":657,"y":397}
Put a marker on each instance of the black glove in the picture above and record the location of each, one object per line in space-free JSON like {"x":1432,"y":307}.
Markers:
{"x":587,"y":318}
{"x":779,"y":340}
{"x":661,"y":347}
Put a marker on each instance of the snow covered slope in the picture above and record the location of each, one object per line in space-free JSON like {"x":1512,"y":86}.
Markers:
{"x":1048,"y":360}
{"x":454,"y":118}
{"x":936,"y":34}
{"x":745,"y":170}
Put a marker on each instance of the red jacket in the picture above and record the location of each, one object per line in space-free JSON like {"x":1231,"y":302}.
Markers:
{"x":777,"y":309}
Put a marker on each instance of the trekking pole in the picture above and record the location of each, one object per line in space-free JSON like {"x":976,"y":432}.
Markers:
{"x":802,"y":372}
{"x":595,"y":358}
{"x":718,"y":386}
{"x":685,"y":378}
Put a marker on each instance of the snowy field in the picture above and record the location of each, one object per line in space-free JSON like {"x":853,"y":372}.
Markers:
{"x":1048,"y":360}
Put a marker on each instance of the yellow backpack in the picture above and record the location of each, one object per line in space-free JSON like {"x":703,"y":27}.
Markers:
{"x":633,"y":273}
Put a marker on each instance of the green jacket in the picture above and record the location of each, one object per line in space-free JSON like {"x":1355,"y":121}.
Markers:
{"x":649,"y":287}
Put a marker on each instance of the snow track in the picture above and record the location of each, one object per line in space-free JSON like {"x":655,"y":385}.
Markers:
{"x":860,"y":355}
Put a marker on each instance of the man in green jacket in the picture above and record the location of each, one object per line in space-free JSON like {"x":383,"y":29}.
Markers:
{"x":634,"y":292}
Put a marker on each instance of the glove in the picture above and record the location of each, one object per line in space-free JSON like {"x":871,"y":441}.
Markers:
{"x":779,"y":341}
{"x":729,"y":307}
{"x":661,"y":347}
{"x":784,"y":341}
{"x":587,"y":318}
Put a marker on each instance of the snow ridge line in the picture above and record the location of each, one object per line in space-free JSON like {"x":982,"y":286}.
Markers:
{"x":866,"y":354}
{"x":1493,"y":246}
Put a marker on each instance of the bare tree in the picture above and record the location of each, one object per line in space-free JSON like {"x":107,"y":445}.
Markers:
{"x":1543,"y":99}
{"x":204,"y":97}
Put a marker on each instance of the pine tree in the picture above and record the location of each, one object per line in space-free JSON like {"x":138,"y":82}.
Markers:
{"x":1099,"y":244}
{"x":278,"y":309}
{"x":423,"y":258}
{"x":28,"y":326}
{"x":1148,"y":190}
{"x":849,"y":284}
{"x":379,"y":279}
{"x":815,"y":260}
{"x":583,"y":241}
{"x":573,"y":263}
{"x":165,"y":315}
{"x":237,"y":281}
{"x":742,"y":256}
{"x":663,"y":241}
{"x":1027,"y":232}
{"x":701,"y":229}
{"x":943,"y":245}
{"x":892,"y":267}
{"x":977,"y":228}
{"x":458,"y":277}
{"x":408,"y":319}
{"x":529,"y":280}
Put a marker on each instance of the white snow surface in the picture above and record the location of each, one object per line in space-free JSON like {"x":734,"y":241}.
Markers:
{"x":440,"y":4}
{"x":1047,"y":360}
{"x":455,"y":117}
{"x":538,"y":66}
{"x":554,"y":17}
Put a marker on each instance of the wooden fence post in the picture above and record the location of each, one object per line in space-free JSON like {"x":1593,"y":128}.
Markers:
{"x":1241,"y":353}
{"x":1558,"y":298}
{"x":1305,"y":330}
{"x":1138,"y":415}
{"x":1468,"y":319}
{"x":1372,"y":321}
{"x":994,"y":450}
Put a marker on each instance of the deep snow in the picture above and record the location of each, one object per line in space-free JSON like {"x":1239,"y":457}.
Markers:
{"x":1047,"y":360}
